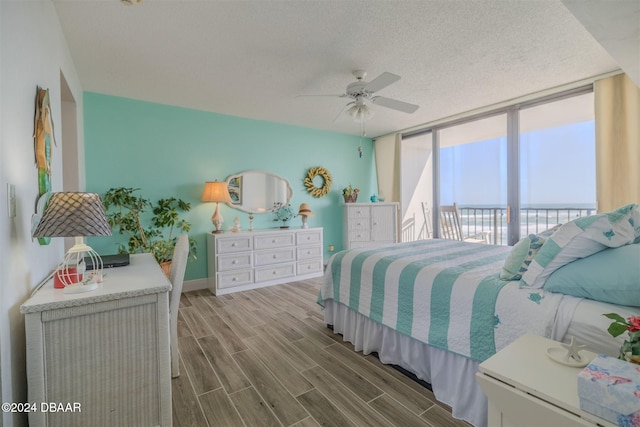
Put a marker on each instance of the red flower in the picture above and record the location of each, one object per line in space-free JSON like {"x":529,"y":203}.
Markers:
{"x":634,"y":324}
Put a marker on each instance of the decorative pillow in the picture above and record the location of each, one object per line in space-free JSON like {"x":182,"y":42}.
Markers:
{"x":520,"y":257}
{"x":580,"y":238}
{"x":611,"y":275}
{"x":549,"y":232}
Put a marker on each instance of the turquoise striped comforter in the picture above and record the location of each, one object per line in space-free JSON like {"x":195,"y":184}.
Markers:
{"x":441,"y":292}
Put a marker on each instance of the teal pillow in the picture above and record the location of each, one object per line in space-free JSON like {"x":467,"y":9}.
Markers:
{"x":520,"y":257}
{"x":611,"y":275}
{"x":581,"y":238}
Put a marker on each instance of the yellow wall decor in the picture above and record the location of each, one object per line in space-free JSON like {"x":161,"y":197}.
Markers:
{"x":318,"y":191}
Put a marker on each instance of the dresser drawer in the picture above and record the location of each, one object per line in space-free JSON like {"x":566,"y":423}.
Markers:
{"x":274,"y":241}
{"x":361,"y":224}
{"x":234,"y":261}
{"x":234,"y":244}
{"x":275,"y":256}
{"x":360,"y":236}
{"x":308,"y":252}
{"x":264,"y":274}
{"x":359,"y":212}
{"x":309,"y":237}
{"x":235,"y":278}
{"x":308,"y":267}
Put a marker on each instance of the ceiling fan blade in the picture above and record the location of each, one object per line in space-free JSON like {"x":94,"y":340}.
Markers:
{"x":395,"y":104}
{"x":382,"y":81}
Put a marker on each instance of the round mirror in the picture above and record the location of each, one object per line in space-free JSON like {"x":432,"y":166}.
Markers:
{"x":257,"y":191}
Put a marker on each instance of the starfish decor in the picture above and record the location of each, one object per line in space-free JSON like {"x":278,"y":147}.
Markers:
{"x":573,"y":350}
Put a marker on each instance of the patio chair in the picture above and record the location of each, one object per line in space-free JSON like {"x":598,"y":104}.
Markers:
{"x":451,"y":226}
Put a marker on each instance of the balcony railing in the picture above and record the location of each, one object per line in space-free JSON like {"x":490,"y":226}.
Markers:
{"x":476,"y":220}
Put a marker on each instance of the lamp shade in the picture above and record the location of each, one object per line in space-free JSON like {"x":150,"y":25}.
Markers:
{"x":216,"y":191}
{"x":73,"y":214}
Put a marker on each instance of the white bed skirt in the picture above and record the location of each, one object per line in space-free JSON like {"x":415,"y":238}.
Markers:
{"x":452,"y":377}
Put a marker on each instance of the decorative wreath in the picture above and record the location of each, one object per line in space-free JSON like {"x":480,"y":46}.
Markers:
{"x":326,"y":184}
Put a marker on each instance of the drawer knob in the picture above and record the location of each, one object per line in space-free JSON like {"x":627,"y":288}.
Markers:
{"x":274,"y":272}
{"x":275,"y":256}
{"x":273,"y":241}
{"x":234,"y":279}
{"x":234,"y":244}
{"x":308,"y":252}
{"x":234,"y":262}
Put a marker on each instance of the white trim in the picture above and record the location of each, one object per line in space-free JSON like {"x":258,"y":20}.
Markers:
{"x":195,"y":285}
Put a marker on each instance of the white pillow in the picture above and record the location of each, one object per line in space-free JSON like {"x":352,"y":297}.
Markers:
{"x":580,"y":238}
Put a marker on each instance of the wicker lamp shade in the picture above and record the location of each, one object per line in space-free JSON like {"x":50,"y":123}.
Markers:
{"x":73,"y":214}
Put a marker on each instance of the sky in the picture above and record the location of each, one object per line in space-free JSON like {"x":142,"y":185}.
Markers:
{"x":557,"y":169}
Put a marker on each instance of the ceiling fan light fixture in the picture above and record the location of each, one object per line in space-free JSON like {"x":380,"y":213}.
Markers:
{"x":129,"y":2}
{"x":360,"y":112}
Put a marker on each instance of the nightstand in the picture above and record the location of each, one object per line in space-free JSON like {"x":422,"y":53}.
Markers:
{"x":525,"y":388}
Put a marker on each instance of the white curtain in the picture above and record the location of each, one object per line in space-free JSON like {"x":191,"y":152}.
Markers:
{"x":617,"y":116}
{"x":387,"y":149}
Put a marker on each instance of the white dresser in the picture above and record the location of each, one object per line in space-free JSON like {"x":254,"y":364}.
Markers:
{"x":104,"y":352}
{"x":369,"y":224}
{"x":254,"y":259}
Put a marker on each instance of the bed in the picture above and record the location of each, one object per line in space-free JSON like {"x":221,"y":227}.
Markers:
{"x":438,"y":308}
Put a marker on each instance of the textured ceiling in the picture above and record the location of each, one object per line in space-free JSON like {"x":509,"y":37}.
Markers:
{"x":251,"y":58}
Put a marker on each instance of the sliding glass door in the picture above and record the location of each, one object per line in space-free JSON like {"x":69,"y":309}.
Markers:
{"x":557,"y":163}
{"x":473,"y":175}
{"x":510,"y":172}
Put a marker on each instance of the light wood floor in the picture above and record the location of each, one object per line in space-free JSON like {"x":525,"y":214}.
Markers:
{"x":266,"y":358}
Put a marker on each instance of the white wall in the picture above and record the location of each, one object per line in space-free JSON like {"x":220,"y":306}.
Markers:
{"x":33,"y":52}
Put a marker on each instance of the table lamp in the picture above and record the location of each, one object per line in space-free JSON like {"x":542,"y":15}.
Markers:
{"x":216,"y":192}
{"x":72,"y":214}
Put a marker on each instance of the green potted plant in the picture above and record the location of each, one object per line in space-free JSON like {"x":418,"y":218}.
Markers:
{"x":350,"y":194}
{"x":150,"y":226}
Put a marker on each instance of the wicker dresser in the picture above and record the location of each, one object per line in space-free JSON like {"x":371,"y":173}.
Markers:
{"x":105,"y":352}
{"x":254,"y":259}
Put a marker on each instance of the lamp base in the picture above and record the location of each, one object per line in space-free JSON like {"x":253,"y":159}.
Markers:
{"x":79,"y":288}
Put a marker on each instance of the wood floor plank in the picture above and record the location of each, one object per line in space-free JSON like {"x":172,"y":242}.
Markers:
{"x":183,"y":328}
{"x":440,"y":417}
{"x":283,"y":328}
{"x":219,"y":410}
{"x":359,"y":412}
{"x":289,"y":328}
{"x":253,"y":409}
{"x":293,"y":354}
{"x":279,"y":366}
{"x":318,"y":338}
{"x":396,"y":413}
{"x":235,"y":322}
{"x":186,"y":410}
{"x":199,"y":301}
{"x":280,"y":401}
{"x":352,"y":380}
{"x":196,"y":323}
{"x":413,"y":400}
{"x":307,"y":422}
{"x":225,"y":334}
{"x":323,"y":410}
{"x":197,"y":366}
{"x":228,"y":371}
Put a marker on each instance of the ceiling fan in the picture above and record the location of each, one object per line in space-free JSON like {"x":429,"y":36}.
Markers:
{"x":362,"y":94}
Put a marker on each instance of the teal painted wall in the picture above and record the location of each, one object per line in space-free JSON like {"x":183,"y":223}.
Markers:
{"x":170,"y":152}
